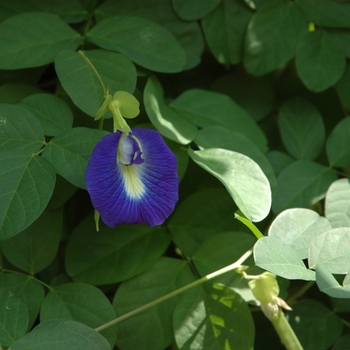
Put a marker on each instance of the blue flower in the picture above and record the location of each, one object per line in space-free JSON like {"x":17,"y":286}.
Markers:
{"x":131,"y":178}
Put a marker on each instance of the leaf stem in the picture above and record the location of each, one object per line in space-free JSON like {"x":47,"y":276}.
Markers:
{"x":239,"y":216}
{"x":92,"y":67}
{"x":198,"y":282}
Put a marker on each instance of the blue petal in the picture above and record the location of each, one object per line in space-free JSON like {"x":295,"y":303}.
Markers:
{"x":145,"y":191}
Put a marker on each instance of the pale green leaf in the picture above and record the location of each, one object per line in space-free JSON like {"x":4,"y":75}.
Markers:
{"x":297,"y":228}
{"x":337,"y":203}
{"x":241,"y":176}
{"x":275,"y":256}
{"x":331,"y":249}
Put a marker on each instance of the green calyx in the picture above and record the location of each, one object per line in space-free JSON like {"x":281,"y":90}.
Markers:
{"x":121,"y":105}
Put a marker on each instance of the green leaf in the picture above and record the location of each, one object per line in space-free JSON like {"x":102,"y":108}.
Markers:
{"x":320,"y":59}
{"x":343,"y":87}
{"x":188,"y":33}
{"x":26,"y":186}
{"x":275,"y":256}
{"x":181,"y":156}
{"x":15,"y":92}
{"x":221,"y":250}
{"x":326,"y":13}
{"x":302,"y":129}
{"x":220,"y":137}
{"x":297,"y":228}
{"x":167,"y":121}
{"x":81,"y":84}
{"x":48,"y":34}
{"x":224,"y":30}
{"x":253,"y":94}
{"x":214,"y":214}
{"x":145,"y":42}
{"x":329,"y":285}
{"x":35,"y":248}
{"x":302,"y":184}
{"x":213,"y":317}
{"x":337,"y":203}
{"x":13,"y":318}
{"x":27,"y":289}
{"x":337,"y":146}
{"x":62,"y":192}
{"x":190,"y":10}
{"x":266,"y":47}
{"x":69,"y":10}
{"x":342,"y":342}
{"x":20,"y":130}
{"x":241,"y":176}
{"x":207,"y":108}
{"x":69,"y":153}
{"x":308,"y":317}
{"x":91,"y":307}
{"x":60,"y":334}
{"x":331,"y":250}
{"x":54,"y":114}
{"x":279,"y":160}
{"x":138,"y":332}
{"x":112,"y":255}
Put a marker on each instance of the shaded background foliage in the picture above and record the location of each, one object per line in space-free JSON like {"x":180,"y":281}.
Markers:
{"x":266,"y":79}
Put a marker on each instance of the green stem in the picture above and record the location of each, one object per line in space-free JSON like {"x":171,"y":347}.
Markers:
{"x":347,"y":324}
{"x":239,"y":216}
{"x":82,"y":54}
{"x":198,"y":282}
{"x":285,"y":332}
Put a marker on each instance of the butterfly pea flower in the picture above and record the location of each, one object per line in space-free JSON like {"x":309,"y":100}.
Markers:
{"x":132,"y":175}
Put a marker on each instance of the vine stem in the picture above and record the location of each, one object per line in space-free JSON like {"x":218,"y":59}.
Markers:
{"x":198,"y":282}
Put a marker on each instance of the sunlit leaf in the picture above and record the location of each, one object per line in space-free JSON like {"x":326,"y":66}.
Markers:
{"x":337,"y":204}
{"x":241,"y":176}
{"x":275,"y":256}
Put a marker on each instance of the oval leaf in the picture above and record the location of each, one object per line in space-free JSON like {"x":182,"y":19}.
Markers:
{"x":26,"y":186}
{"x":167,"y":121}
{"x":241,"y":176}
{"x":145,"y":42}
{"x":297,"y":228}
{"x":54,"y":115}
{"x":82,"y":86}
{"x":275,"y":256}
{"x":22,"y":48}
{"x":69,"y":153}
{"x":25,"y":250}
{"x":337,"y":204}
